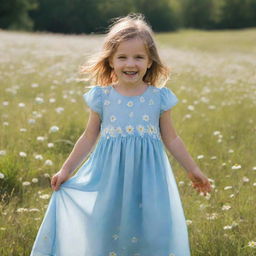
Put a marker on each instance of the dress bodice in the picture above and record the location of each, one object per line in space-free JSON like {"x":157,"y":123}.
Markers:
{"x":130,"y":115}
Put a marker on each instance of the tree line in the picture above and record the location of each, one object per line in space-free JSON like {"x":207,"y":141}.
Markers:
{"x":93,"y":16}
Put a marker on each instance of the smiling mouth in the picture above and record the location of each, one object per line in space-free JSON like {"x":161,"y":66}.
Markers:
{"x":130,"y":72}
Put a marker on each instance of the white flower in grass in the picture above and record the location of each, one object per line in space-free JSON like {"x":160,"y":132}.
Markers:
{"x":254,"y":168}
{"x":23,"y":129}
{"x":48,"y":162}
{"x":145,"y":118}
{"x":2,"y":152}
{"x":52,"y":100}
{"x":142,"y":99}
{"x":129,"y":103}
{"x":5,"y":123}
{"x":39,"y":100}
{"x":59,"y":110}
{"x":188,"y":222}
{"x":112,"y":118}
{"x":245,"y":179}
{"x":1,"y":175}
{"x":35,"y":180}
{"x":50,"y":145}
{"x":34,"y":85}
{"x":31,"y":121}
{"x":106,"y":102}
{"x":40,"y":138}
{"x":200,"y":156}
{"x":254,"y":184}
{"x":252,"y":244}
{"x":228,"y":227}
{"x":54,"y":128}
{"x":21,"y":105}
{"x":225,"y":207}
{"x":236,"y":167}
{"x":34,"y":210}
{"x":190,"y":107}
{"x":26,"y":183}
{"x":211,"y":216}
{"x":129,"y":129}
{"x":22,"y":154}
{"x":216,"y":133}
{"x":44,"y":196}
{"x":38,"y":157}
{"x":228,"y":187}
{"x":21,"y":210}
{"x":5,"y":103}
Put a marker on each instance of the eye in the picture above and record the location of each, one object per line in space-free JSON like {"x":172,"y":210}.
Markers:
{"x":139,"y":57}
{"x":121,"y":57}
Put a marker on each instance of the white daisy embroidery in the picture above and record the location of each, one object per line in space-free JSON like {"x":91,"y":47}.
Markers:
{"x":106,"y":102}
{"x":112,"y":132}
{"x":112,"y":254}
{"x":119,"y":101}
{"x":151,"y":102}
{"x":134,"y":239}
{"x":142,"y":99}
{"x":106,"y":91}
{"x":131,"y":114}
{"x":119,"y":129}
{"x":112,"y":118}
{"x":129,"y":103}
{"x":145,"y":118}
{"x":150,"y":129}
{"x":105,"y":130}
{"x":129,"y":129}
{"x":141,"y":129}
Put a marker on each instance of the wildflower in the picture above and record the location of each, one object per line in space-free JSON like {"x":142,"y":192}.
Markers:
{"x":35,"y":180}
{"x":26,"y":183}
{"x":22,"y":154}
{"x":40,"y":138}
{"x":252,"y":244}
{"x":31,"y":121}
{"x":45,"y":196}
{"x":21,"y":105}
{"x":190,"y":107}
{"x":254,"y":184}
{"x":228,"y":187}
{"x":200,"y":156}
{"x":52,"y":100}
{"x":254,"y":168}
{"x":59,"y":110}
{"x":231,"y":151}
{"x":245,"y":179}
{"x":50,"y":145}
{"x":188,"y":222}
{"x":236,"y":167}
{"x":212,"y":216}
{"x":48,"y":162}
{"x":38,"y":157}
{"x":181,"y":183}
{"x":2,"y":152}
{"x":1,"y":175}
{"x":5,"y":103}
{"x":54,"y":128}
{"x":34,"y":85}
{"x":34,"y":210}
{"x":227,"y":227}
{"x":20,"y":210}
{"x":216,"y":133}
{"x":23,"y":129}
{"x":225,"y":207}
{"x":39,"y":100}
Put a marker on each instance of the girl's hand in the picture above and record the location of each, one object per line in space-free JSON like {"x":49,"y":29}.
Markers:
{"x":57,"y":179}
{"x":199,"y":181}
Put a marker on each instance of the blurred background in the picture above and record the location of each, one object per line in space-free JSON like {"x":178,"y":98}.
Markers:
{"x":92,"y":16}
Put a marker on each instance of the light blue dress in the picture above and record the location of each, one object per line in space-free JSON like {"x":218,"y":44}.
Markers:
{"x":124,"y":200}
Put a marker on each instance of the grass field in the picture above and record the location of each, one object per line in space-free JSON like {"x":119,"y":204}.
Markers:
{"x":43,"y":114}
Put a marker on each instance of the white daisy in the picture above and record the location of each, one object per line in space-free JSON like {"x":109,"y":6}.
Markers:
{"x":129,"y":103}
{"x":145,"y":118}
{"x":129,"y":129}
{"x":134,"y":239}
{"x":119,"y":129}
{"x":142,"y":99}
{"x":106,"y":91}
{"x":112,"y":118}
{"x":112,"y":132}
{"x":115,"y":236}
{"x":141,"y":129}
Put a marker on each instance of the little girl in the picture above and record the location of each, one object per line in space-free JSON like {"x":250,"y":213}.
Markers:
{"x":123,"y":201}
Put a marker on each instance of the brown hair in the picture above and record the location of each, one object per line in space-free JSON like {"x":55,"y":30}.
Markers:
{"x":125,"y":28}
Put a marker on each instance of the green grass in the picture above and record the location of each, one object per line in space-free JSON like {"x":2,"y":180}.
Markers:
{"x":213,"y":75}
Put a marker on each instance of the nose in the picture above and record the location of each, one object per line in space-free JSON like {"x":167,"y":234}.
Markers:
{"x":130,"y":62}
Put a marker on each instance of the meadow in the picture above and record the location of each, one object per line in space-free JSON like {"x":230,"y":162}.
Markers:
{"x":42,"y":115}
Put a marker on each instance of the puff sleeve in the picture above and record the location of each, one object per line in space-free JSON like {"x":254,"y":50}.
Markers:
{"x":167,"y":99}
{"x":93,"y":99}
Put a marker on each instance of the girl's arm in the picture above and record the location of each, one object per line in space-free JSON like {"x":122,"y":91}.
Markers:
{"x":81,"y":149}
{"x":84,"y":144}
{"x":176,"y":147}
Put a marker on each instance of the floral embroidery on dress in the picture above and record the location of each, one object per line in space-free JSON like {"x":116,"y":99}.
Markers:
{"x":145,"y":118}
{"x":112,"y":254}
{"x":151,"y":102}
{"x":129,"y":103}
{"x":129,"y":129}
{"x":112,"y":118}
{"x":142,"y":99}
{"x":106,"y":91}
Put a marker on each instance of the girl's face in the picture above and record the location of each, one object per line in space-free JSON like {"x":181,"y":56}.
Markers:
{"x":130,"y":62}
